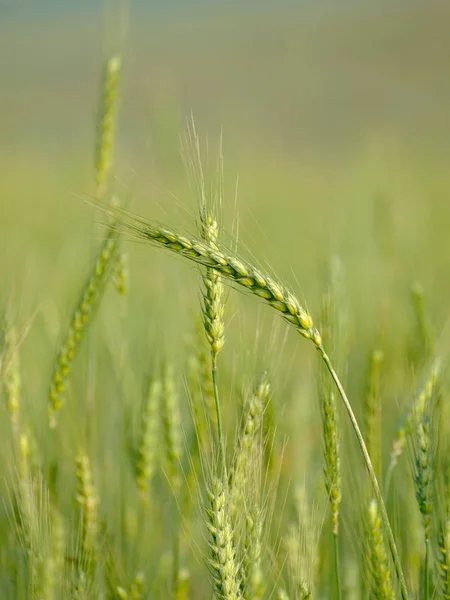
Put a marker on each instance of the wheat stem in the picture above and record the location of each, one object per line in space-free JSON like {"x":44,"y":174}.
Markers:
{"x":373,"y":477}
{"x":337,"y":566}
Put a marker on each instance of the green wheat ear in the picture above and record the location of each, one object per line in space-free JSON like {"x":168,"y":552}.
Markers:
{"x":172,"y":429}
{"x":150,"y":432}
{"x":81,"y":319}
{"x":222,"y":548}
{"x":12,"y":378}
{"x":382,"y":584}
{"x":372,"y":408}
{"x":107,"y":122}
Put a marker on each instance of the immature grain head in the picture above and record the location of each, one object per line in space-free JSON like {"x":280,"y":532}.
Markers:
{"x":222,"y":548}
{"x":332,"y":469}
{"x":415,"y":413}
{"x":201,"y":387}
{"x":253,"y":579}
{"x":231,"y":267}
{"x":148,"y":446}
{"x":172,"y":429}
{"x":81,"y":318}
{"x":107,"y":123}
{"x":424,"y":476}
{"x":372,"y":410}
{"x":86,"y":497}
{"x":382,"y":583}
{"x":213,"y":300}
{"x":247,"y":443}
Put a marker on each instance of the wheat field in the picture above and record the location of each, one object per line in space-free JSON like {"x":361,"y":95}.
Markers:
{"x":181,"y":196}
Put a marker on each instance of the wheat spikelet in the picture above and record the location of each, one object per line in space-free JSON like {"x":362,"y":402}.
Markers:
{"x":147,"y":452}
{"x":213,"y":302}
{"x":424,"y":476}
{"x":247,"y":443}
{"x":120,"y":272}
{"x":86,"y":497}
{"x":12,"y":379}
{"x":172,"y":429}
{"x":253,"y":576}
{"x":425,"y":337}
{"x":201,"y":387}
{"x":414,"y":414}
{"x":136,"y":589}
{"x":81,"y":319}
{"x":332,"y":468}
{"x":382,"y":584}
{"x":301,"y":545}
{"x":372,"y":410}
{"x":52,"y":564}
{"x":222,"y":549}
{"x":107,"y":123}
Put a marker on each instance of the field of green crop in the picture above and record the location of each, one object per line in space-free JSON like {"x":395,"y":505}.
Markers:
{"x":224,"y":303}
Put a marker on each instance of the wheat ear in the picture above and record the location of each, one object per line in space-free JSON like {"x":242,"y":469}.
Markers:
{"x":276,"y":295}
{"x":372,"y":408}
{"x":252,"y":568}
{"x":424,"y":491}
{"x":382,"y":583}
{"x":148,"y":446}
{"x":247,"y":443}
{"x":222,"y":549}
{"x":213,"y":311}
{"x":172,"y":429}
{"x":86,"y":497}
{"x":411,"y":420}
{"x":81,"y":318}
{"x":107,"y":123}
